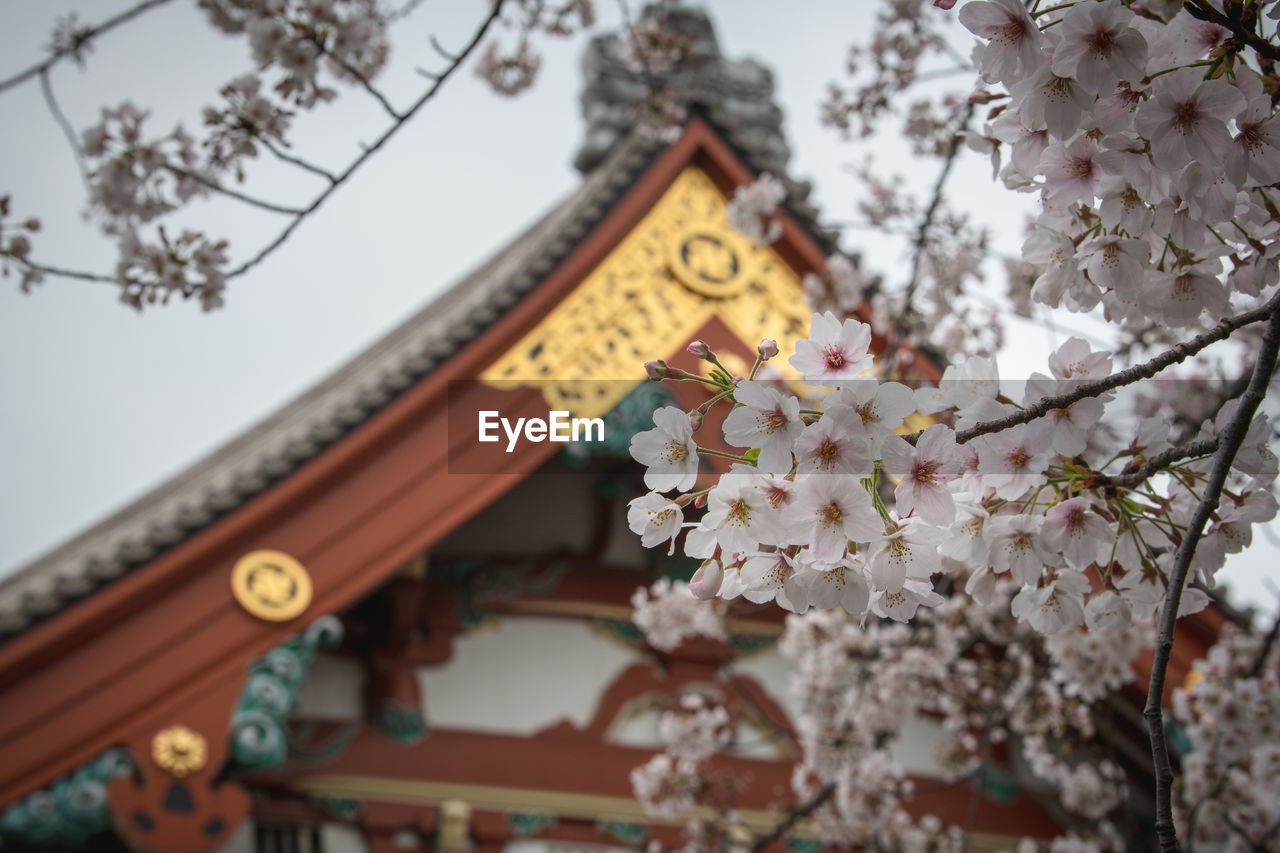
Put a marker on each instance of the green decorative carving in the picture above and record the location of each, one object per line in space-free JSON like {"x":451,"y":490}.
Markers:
{"x":622,"y":631}
{"x":632,"y":415}
{"x":474,"y":582}
{"x":402,"y":723}
{"x":527,"y":824}
{"x":624,"y":831}
{"x":339,"y":807}
{"x":304,"y":750}
{"x":70,"y":811}
{"x":997,"y":783}
{"x":805,"y":845}
{"x":750,"y":644}
{"x":258,"y":737}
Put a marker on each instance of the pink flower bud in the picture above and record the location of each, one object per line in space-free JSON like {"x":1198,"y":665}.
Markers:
{"x":706,"y":581}
{"x":698,"y":349}
{"x":944,"y":4}
{"x":656,"y":370}
{"x":700,"y":501}
{"x":768,"y":349}
{"x":695,"y":419}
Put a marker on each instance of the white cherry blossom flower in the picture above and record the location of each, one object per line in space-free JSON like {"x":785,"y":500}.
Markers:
{"x":1187,"y":119}
{"x":1057,"y":605}
{"x":882,"y":407}
{"x":739,"y":515}
{"x":842,"y":585}
{"x":910,"y":552}
{"x":656,"y":519}
{"x":1254,"y":156}
{"x":1017,"y":547}
{"x":1097,"y":46}
{"x":1013,"y":39}
{"x":770,"y":577}
{"x":767,"y":419}
{"x":668,"y":450}
{"x":902,"y":604}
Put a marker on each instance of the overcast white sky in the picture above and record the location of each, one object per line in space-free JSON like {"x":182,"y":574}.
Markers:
{"x":100,"y":404}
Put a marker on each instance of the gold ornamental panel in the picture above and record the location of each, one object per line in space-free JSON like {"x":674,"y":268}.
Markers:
{"x":682,"y":265}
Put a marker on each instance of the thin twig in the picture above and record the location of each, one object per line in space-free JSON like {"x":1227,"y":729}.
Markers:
{"x":297,"y":161}
{"x":795,"y":816}
{"x":61,"y":272}
{"x":46,"y":88}
{"x":1265,"y":651}
{"x":1231,"y":439}
{"x":1157,"y":463}
{"x":84,"y":38}
{"x":230,"y":193}
{"x":360,"y":78}
{"x":1205,"y":12}
{"x":1146,"y":370}
{"x":372,"y":149}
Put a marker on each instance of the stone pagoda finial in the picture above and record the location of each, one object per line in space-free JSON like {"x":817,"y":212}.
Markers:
{"x":737,"y":95}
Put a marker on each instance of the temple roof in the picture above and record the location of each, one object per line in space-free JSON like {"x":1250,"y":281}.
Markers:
{"x":251,"y":462}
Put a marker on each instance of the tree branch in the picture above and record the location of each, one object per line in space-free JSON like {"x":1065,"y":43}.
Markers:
{"x":1205,"y":12}
{"x":84,"y":38}
{"x":1231,"y":439}
{"x":1146,"y":370}
{"x":230,"y":193}
{"x":1267,"y":643}
{"x":1156,"y":463}
{"x":360,"y":78}
{"x":794,"y":816}
{"x":338,"y":180}
{"x":297,"y":161}
{"x":46,"y":89}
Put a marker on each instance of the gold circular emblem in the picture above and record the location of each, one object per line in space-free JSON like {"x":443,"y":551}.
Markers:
{"x":710,"y":261}
{"x":179,"y":750}
{"x":271,"y":585}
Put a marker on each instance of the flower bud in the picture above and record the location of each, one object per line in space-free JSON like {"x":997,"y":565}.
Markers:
{"x":695,"y":419}
{"x":656,"y":370}
{"x":700,"y":501}
{"x":699,"y":349}
{"x":706,"y":581}
{"x":768,"y":349}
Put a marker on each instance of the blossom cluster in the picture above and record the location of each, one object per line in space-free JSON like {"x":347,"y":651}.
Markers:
{"x":831,"y":506}
{"x":1151,"y":142}
{"x":1000,"y":699}
{"x":509,"y":70}
{"x":1229,"y":709}
{"x":299,"y":37}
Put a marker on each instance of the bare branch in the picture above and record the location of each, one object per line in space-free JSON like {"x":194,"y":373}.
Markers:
{"x":87,"y":36}
{"x":794,"y":816}
{"x":230,"y":193}
{"x":61,"y":272}
{"x":360,"y":78}
{"x":297,"y":161}
{"x":372,"y":149}
{"x":46,"y":88}
{"x":1205,"y":12}
{"x":1146,"y":370}
{"x":1157,"y":463}
{"x":1267,"y":643}
{"x":1231,"y":439}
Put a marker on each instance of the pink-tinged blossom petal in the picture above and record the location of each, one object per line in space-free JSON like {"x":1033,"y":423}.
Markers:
{"x":827,"y":513}
{"x":1070,"y":171}
{"x":835,"y":444}
{"x":1079,"y":534}
{"x":924,"y":472}
{"x":834,"y":351}
{"x":1048,"y":101}
{"x":1254,"y":156}
{"x":1055,"y":606}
